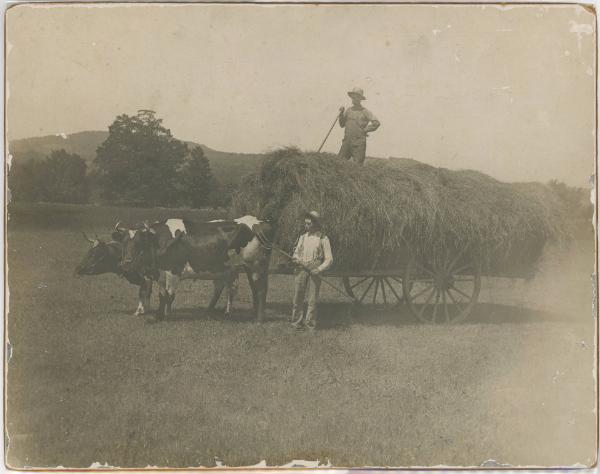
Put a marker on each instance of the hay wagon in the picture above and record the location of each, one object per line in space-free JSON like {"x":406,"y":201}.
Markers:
{"x":404,"y":232}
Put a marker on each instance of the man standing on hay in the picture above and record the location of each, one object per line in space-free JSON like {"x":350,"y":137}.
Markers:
{"x":357,"y":122}
{"x":312,"y":256}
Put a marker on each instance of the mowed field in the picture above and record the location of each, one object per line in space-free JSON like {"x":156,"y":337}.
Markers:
{"x":88,"y":382}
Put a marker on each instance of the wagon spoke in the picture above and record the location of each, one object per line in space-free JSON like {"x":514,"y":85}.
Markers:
{"x":460,"y":300}
{"x":383,"y":291}
{"x":396,"y":279}
{"x":433,"y":290}
{"x":455,"y":260}
{"x":452,"y":297}
{"x":435,"y":306}
{"x":414,"y":297}
{"x":359,"y":282}
{"x":376,"y":290}
{"x":445,"y":305}
{"x":453,"y":310}
{"x":393,"y":291}
{"x":464,"y":267}
{"x":367,"y":290}
{"x":461,"y":292}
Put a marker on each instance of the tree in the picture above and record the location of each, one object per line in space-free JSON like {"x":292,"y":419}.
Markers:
{"x":575,"y":199}
{"x":25,"y":180}
{"x":65,"y":176}
{"x":196,"y":181}
{"x":60,"y":177}
{"x":222,"y":194}
{"x":138,"y":163}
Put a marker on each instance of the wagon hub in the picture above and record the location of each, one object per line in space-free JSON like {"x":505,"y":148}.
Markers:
{"x":443,"y":282}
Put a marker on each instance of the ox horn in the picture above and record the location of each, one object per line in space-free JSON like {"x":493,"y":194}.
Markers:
{"x":148,"y":228}
{"x":91,"y":241}
{"x":119,"y":229}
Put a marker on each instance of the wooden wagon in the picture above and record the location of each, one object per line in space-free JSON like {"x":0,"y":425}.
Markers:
{"x":441,"y":292}
{"x":444,"y":290}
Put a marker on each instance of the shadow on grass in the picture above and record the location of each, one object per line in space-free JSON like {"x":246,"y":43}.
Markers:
{"x":336,"y":315}
{"x":344,"y":315}
{"x":202,"y":314}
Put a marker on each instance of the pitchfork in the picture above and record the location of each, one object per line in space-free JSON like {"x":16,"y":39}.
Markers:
{"x":270,"y":246}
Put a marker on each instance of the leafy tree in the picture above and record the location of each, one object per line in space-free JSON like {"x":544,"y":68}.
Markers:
{"x":60,"y":177}
{"x":196,"y":181}
{"x":138,"y":163}
{"x":65,"y":176}
{"x":222,"y":194}
{"x":25,"y":180}
{"x":576,"y":200}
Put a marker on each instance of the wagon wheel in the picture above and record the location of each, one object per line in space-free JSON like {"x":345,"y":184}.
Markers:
{"x":443,"y":292}
{"x":376,"y":288}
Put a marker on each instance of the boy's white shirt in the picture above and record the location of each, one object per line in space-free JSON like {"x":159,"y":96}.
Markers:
{"x":310,"y":244}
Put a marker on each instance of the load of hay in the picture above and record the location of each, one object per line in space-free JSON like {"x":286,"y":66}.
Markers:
{"x":378,"y":215}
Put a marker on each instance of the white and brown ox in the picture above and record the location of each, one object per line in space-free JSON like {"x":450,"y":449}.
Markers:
{"x":105,"y":257}
{"x":167,"y":249}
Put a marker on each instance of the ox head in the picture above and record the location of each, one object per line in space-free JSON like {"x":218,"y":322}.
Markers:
{"x":252,"y":231}
{"x":243,"y":235}
{"x":139,"y":248}
{"x":265,"y":231}
{"x":100,"y":258}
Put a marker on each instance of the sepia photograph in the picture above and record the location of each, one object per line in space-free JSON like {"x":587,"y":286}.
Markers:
{"x":275,"y":235}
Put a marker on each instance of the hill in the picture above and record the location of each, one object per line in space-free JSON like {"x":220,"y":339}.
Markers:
{"x":228,"y":168}
{"x":83,"y":143}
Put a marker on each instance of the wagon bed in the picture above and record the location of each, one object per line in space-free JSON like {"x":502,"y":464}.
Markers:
{"x":444,"y":292}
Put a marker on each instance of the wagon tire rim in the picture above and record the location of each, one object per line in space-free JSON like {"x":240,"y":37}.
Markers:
{"x":443,"y":292}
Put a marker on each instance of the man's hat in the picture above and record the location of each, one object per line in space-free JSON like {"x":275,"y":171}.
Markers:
{"x":314,"y":216}
{"x":358,"y":92}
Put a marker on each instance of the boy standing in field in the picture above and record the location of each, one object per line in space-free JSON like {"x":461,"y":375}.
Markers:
{"x":357,"y":122}
{"x":312,"y":256}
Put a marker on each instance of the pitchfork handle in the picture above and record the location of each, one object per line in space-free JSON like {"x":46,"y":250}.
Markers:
{"x":328,"y":133}
{"x":341,"y":292}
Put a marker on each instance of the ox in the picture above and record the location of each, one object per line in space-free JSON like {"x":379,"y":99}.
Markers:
{"x":216,"y":247}
{"x":105,"y":257}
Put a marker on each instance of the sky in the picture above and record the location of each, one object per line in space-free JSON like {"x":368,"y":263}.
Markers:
{"x":509,"y":91}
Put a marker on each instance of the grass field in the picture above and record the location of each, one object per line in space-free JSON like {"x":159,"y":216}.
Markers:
{"x":88,"y":382}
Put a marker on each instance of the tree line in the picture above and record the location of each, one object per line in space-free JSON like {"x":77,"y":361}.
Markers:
{"x":139,"y":164}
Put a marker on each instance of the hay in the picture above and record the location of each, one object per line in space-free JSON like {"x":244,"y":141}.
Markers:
{"x":379,"y":214}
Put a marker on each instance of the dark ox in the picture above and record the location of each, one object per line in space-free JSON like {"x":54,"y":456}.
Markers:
{"x":166,"y":249}
{"x":105,"y":257}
